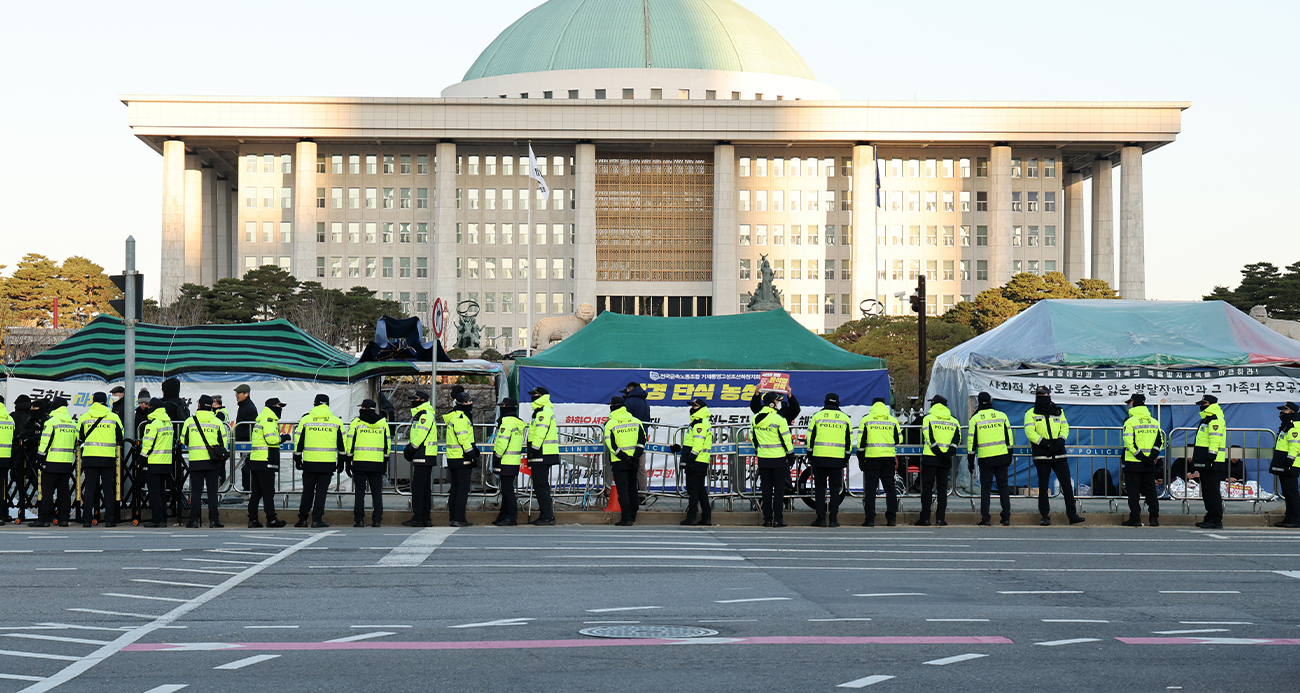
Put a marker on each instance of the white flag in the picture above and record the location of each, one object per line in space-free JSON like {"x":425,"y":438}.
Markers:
{"x":536,"y":174}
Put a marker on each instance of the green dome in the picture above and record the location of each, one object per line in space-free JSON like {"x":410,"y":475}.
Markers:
{"x":682,"y":34}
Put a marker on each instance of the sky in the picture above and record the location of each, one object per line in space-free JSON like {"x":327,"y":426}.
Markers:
{"x":73,"y":180}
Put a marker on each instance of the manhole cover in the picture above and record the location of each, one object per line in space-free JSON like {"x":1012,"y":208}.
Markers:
{"x":664,"y":632}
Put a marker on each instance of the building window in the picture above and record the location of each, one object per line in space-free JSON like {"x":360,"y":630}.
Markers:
{"x":354,"y":232}
{"x":320,"y":267}
{"x":388,"y":268}
{"x":965,"y":270}
{"x":1031,"y":168}
{"x":897,"y":270}
{"x":336,"y":267}
{"x":1017,"y":266}
{"x":1016,"y":233}
{"x":744,"y":234}
{"x":354,"y":198}
{"x":388,"y":233}
{"x":981,"y":236}
{"x":507,"y":234}
{"x":422,"y":232}
{"x":541,"y":303}
{"x":336,"y":164}
{"x":948,"y":239}
{"x":286,"y":232}
{"x":744,"y":167}
{"x":320,"y":164}
{"x":1049,"y":167}
{"x":965,"y":236}
{"x":948,"y":271}
{"x":336,"y":231}
{"x":1015,"y":168}
{"x":372,"y":198}
{"x":913,"y":168}
{"x":372,"y":164}
{"x":929,"y":168}
{"x":336,"y":198}
{"x":778,"y":198}
{"x":981,"y":202}
{"x":1049,"y":265}
{"x":914,"y":235}
{"x":404,"y":232}
{"x":250,"y":163}
{"x":981,"y":167}
{"x":965,"y":200}
{"x":389,"y":165}
{"x":354,"y":164}
{"x":389,"y":198}
{"x":796,"y":269}
{"x":354,"y":267}
{"x":982,"y":270}
{"x":830,"y":234}
{"x":421,"y":268}
{"x":1049,"y":201}
{"x":404,"y":268}
{"x":1033,"y":237}
{"x":1049,"y":236}
{"x":949,"y":203}
{"x":268,"y":198}
{"x":932,"y":236}
{"x":1032,"y":201}
{"x":320,"y":232}
{"x":406,"y":165}
{"x":931,"y":201}
{"x":812,"y":269}
{"x":1016,"y":205}
{"x":422,"y":198}
{"x":629,"y":93}
{"x":473,"y":165}
{"x":370,"y":268}
{"x":1033,"y":267}
{"x":320,"y":198}
{"x":406,"y":198}
{"x":913,"y":269}
{"x":250,"y":232}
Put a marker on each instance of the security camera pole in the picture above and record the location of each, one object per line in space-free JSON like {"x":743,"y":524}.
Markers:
{"x":918,"y":306}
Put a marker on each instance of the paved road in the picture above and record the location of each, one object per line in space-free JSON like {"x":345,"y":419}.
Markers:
{"x":488,"y":609}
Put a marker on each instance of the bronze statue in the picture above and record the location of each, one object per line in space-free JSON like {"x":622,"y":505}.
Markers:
{"x":467,"y":328}
{"x":767,"y":297}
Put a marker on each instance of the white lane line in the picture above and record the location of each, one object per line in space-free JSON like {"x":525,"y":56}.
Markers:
{"x":232,"y":552}
{"x":957,"y":620}
{"x":675,"y":558}
{"x":247,"y":661}
{"x":56,"y":568}
{"x":16,"y":551}
{"x":1071,"y":641}
{"x":86,"y":663}
{"x":70,"y":626}
{"x":1217,"y":623}
{"x":1074,"y":620}
{"x":417,"y":547}
{"x":250,"y":543}
{"x":390,"y":626}
{"x":1191,"y":630}
{"x":184,"y":570}
{"x":954,"y":659}
{"x":827,"y":620}
{"x":500,"y":622}
{"x":621,"y":608}
{"x":168,"y":688}
{"x":38,"y":655}
{"x":83,"y":551}
{"x":113,"y":613}
{"x":1040,"y":592}
{"x":363,"y":636}
{"x":892,"y":594}
{"x":1200,"y":592}
{"x":754,"y":599}
{"x":269,"y":627}
{"x":1288,"y":573}
{"x":622,"y":622}
{"x":173,"y":583}
{"x":54,"y":638}
{"x":20,"y":677}
{"x":219,"y":560}
{"x":141,"y":596}
{"x":729,"y":620}
{"x":153,"y":550}
{"x":865,"y":681}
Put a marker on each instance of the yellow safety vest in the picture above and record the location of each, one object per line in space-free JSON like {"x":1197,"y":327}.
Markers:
{"x":212,"y":432}
{"x":98,"y":431}
{"x":699,"y":438}
{"x":6,"y":434}
{"x":319,"y":435}
{"x":879,"y":432}
{"x":1212,"y":434}
{"x":509,"y":446}
{"x":1044,"y":427}
{"x":990,"y":432}
{"x":458,"y":434}
{"x":422,"y":423}
{"x":940,"y":430}
{"x":829,"y":430}
{"x":543,"y":434}
{"x":157,"y":442}
{"x":622,"y":433}
{"x":1141,"y":432}
{"x":266,"y":435}
{"x":771,"y":434}
{"x":367,"y":442}
{"x":59,"y":441}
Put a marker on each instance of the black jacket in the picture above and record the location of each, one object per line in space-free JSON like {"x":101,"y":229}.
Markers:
{"x":830,"y":462}
{"x":789,"y":412}
{"x":177,"y":408}
{"x":247,"y":412}
{"x":636,"y":404}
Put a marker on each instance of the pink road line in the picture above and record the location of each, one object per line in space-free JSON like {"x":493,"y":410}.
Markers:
{"x":580,"y":642}
{"x":1210,"y":641}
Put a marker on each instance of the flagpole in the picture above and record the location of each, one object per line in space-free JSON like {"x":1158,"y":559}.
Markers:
{"x":528,"y":300}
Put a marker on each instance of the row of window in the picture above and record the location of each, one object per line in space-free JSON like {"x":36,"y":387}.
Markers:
{"x":794,"y":167}
{"x":1021,"y":201}
{"x":512,"y":303}
{"x":799,"y":201}
{"x":763,"y":167}
{"x":468,"y":268}
{"x":1020,"y":235}
{"x":801,"y":269}
{"x":373,"y":267}
{"x":334,"y":164}
{"x":799,"y":235}
{"x":384,"y":232}
{"x":502,"y":342}
{"x":470,"y":198}
{"x":393,"y":198}
{"x":794,"y":303}
{"x":504,"y":234}
{"x":655,"y":94}
{"x":887,"y":269}
{"x":470,"y":165}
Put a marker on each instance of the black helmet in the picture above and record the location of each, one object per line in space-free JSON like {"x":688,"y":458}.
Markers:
{"x":616,"y":401}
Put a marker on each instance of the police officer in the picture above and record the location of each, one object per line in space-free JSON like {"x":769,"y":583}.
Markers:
{"x":423,"y":435}
{"x":696,"y":454}
{"x":367,"y":446}
{"x":157,"y":446}
{"x":990,"y":442}
{"x":830,"y":439}
{"x":878,"y":434}
{"x":6,"y":459}
{"x":1142,"y":443}
{"x":56,"y":455}
{"x":1210,"y":459}
{"x":99,"y":434}
{"x":264,"y":461}
{"x":462,"y":454}
{"x":1047,"y":429}
{"x":543,"y":453}
{"x":625,"y":441}
{"x":320,"y":440}
{"x":24,"y":450}
{"x":511,"y":436}
{"x":204,"y":435}
{"x":1285,"y":464}
{"x":771,"y":435}
{"x":940,"y":437}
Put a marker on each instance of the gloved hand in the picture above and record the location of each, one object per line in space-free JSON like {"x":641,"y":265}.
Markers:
{"x":340,"y":465}
{"x":675,"y":448}
{"x":534,"y":453}
{"x":297,"y":461}
{"x":688,"y":457}
{"x":636,"y":456}
{"x":40,"y":461}
{"x":789,"y":459}
{"x":348,"y":468}
{"x":473,"y":454}
{"x":286,"y":437}
{"x":970,"y":462}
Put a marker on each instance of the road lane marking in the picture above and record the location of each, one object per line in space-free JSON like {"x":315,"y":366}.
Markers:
{"x":417,"y":548}
{"x":173,"y":583}
{"x":220,"y":560}
{"x":729,"y":620}
{"x":1217,"y":623}
{"x":142,"y":596}
{"x":826,"y":620}
{"x":168,"y":688}
{"x":753,"y":599}
{"x":892,"y":594}
{"x":1200,"y":592}
{"x":957,"y":620}
{"x":1209,"y":641}
{"x":621,"y":608}
{"x":675,"y":558}
{"x":54,"y":638}
{"x":1041,"y":592}
{"x":247,"y":661}
{"x":20,"y":677}
{"x":1193,"y":630}
{"x":1288,"y":573}
{"x":269,"y":627}
{"x":83,"y":551}
{"x":1074,"y":620}
{"x":250,"y":543}
{"x":114,"y":613}
{"x":865,"y":681}
{"x":378,"y":626}
{"x":1071,"y":641}
{"x":363,"y":636}
{"x":56,"y":568}
{"x":16,"y":551}
{"x":153,"y":550}
{"x":70,"y":626}
{"x":500,"y":622}
{"x":622,"y":622}
{"x":38,"y":655}
{"x":954,"y":659}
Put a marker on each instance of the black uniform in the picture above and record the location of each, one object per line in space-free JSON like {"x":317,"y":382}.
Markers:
{"x":101,"y":477}
{"x":829,"y":471}
{"x":1288,"y":475}
{"x":23,"y":452}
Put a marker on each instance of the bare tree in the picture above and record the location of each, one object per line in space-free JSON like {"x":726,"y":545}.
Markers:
{"x":180,"y":313}
{"x":318,"y":314}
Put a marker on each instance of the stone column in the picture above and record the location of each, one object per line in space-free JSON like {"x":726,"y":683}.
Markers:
{"x":1000,"y":249}
{"x":444,"y":245}
{"x":1073,"y":232}
{"x":726,"y":268}
{"x":1103,"y":231}
{"x":172,"y":274}
{"x":304,"y":212}
{"x":193,"y":220}
{"x":1132,"y":243}
{"x":221,"y":224}
{"x":208,"y":250}
{"x":584,"y":174}
{"x":864,"y":222}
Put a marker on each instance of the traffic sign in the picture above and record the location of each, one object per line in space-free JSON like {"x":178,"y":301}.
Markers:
{"x":439,"y":319}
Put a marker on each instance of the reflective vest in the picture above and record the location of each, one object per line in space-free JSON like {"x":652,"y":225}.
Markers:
{"x":990,"y":433}
{"x":509,"y":446}
{"x":212,"y":432}
{"x":458,"y":434}
{"x":1212,"y":434}
{"x":622,"y":433}
{"x":422,"y":423}
{"x":830,"y":431}
{"x":157,"y":442}
{"x":367,"y":442}
{"x":99,"y":430}
{"x":59,"y":441}
{"x":318,"y":437}
{"x":543,"y":434}
{"x":771,"y":434}
{"x":879,"y":432}
{"x":1141,"y":432}
{"x":265,"y":435}
{"x":699,"y":437}
{"x":940,"y":430}
{"x":1041,"y":428}
{"x":6,"y":434}
{"x":1288,"y":443}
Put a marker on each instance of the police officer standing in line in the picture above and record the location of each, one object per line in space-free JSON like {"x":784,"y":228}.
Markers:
{"x":1210,"y":459}
{"x":367,"y":445}
{"x":1285,"y":465}
{"x":99,"y":433}
{"x":6,"y":459}
{"x":424,"y":434}
{"x":830,"y":439}
{"x":24,"y":449}
{"x":462,"y":454}
{"x":625,"y":441}
{"x":770,"y":433}
{"x":696,"y":455}
{"x":543,"y":453}
{"x":878,"y":434}
{"x":990,"y":441}
{"x":56,"y":455}
{"x":940,"y":436}
{"x":1047,"y":429}
{"x":264,"y":461}
{"x":157,"y":446}
{"x":204,"y":435}
{"x":1142,"y":443}
{"x":511,"y":437}
{"x":320,"y":440}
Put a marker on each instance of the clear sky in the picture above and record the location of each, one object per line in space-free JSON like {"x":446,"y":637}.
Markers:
{"x":73,"y":180}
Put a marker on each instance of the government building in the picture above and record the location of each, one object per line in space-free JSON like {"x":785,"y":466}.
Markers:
{"x":683,"y":141}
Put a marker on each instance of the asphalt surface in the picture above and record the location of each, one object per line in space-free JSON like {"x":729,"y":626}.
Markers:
{"x":495,"y":609}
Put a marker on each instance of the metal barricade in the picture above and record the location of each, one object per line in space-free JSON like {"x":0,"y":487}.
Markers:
{"x":579,"y":479}
{"x":1250,"y":452}
{"x":662,"y":466}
